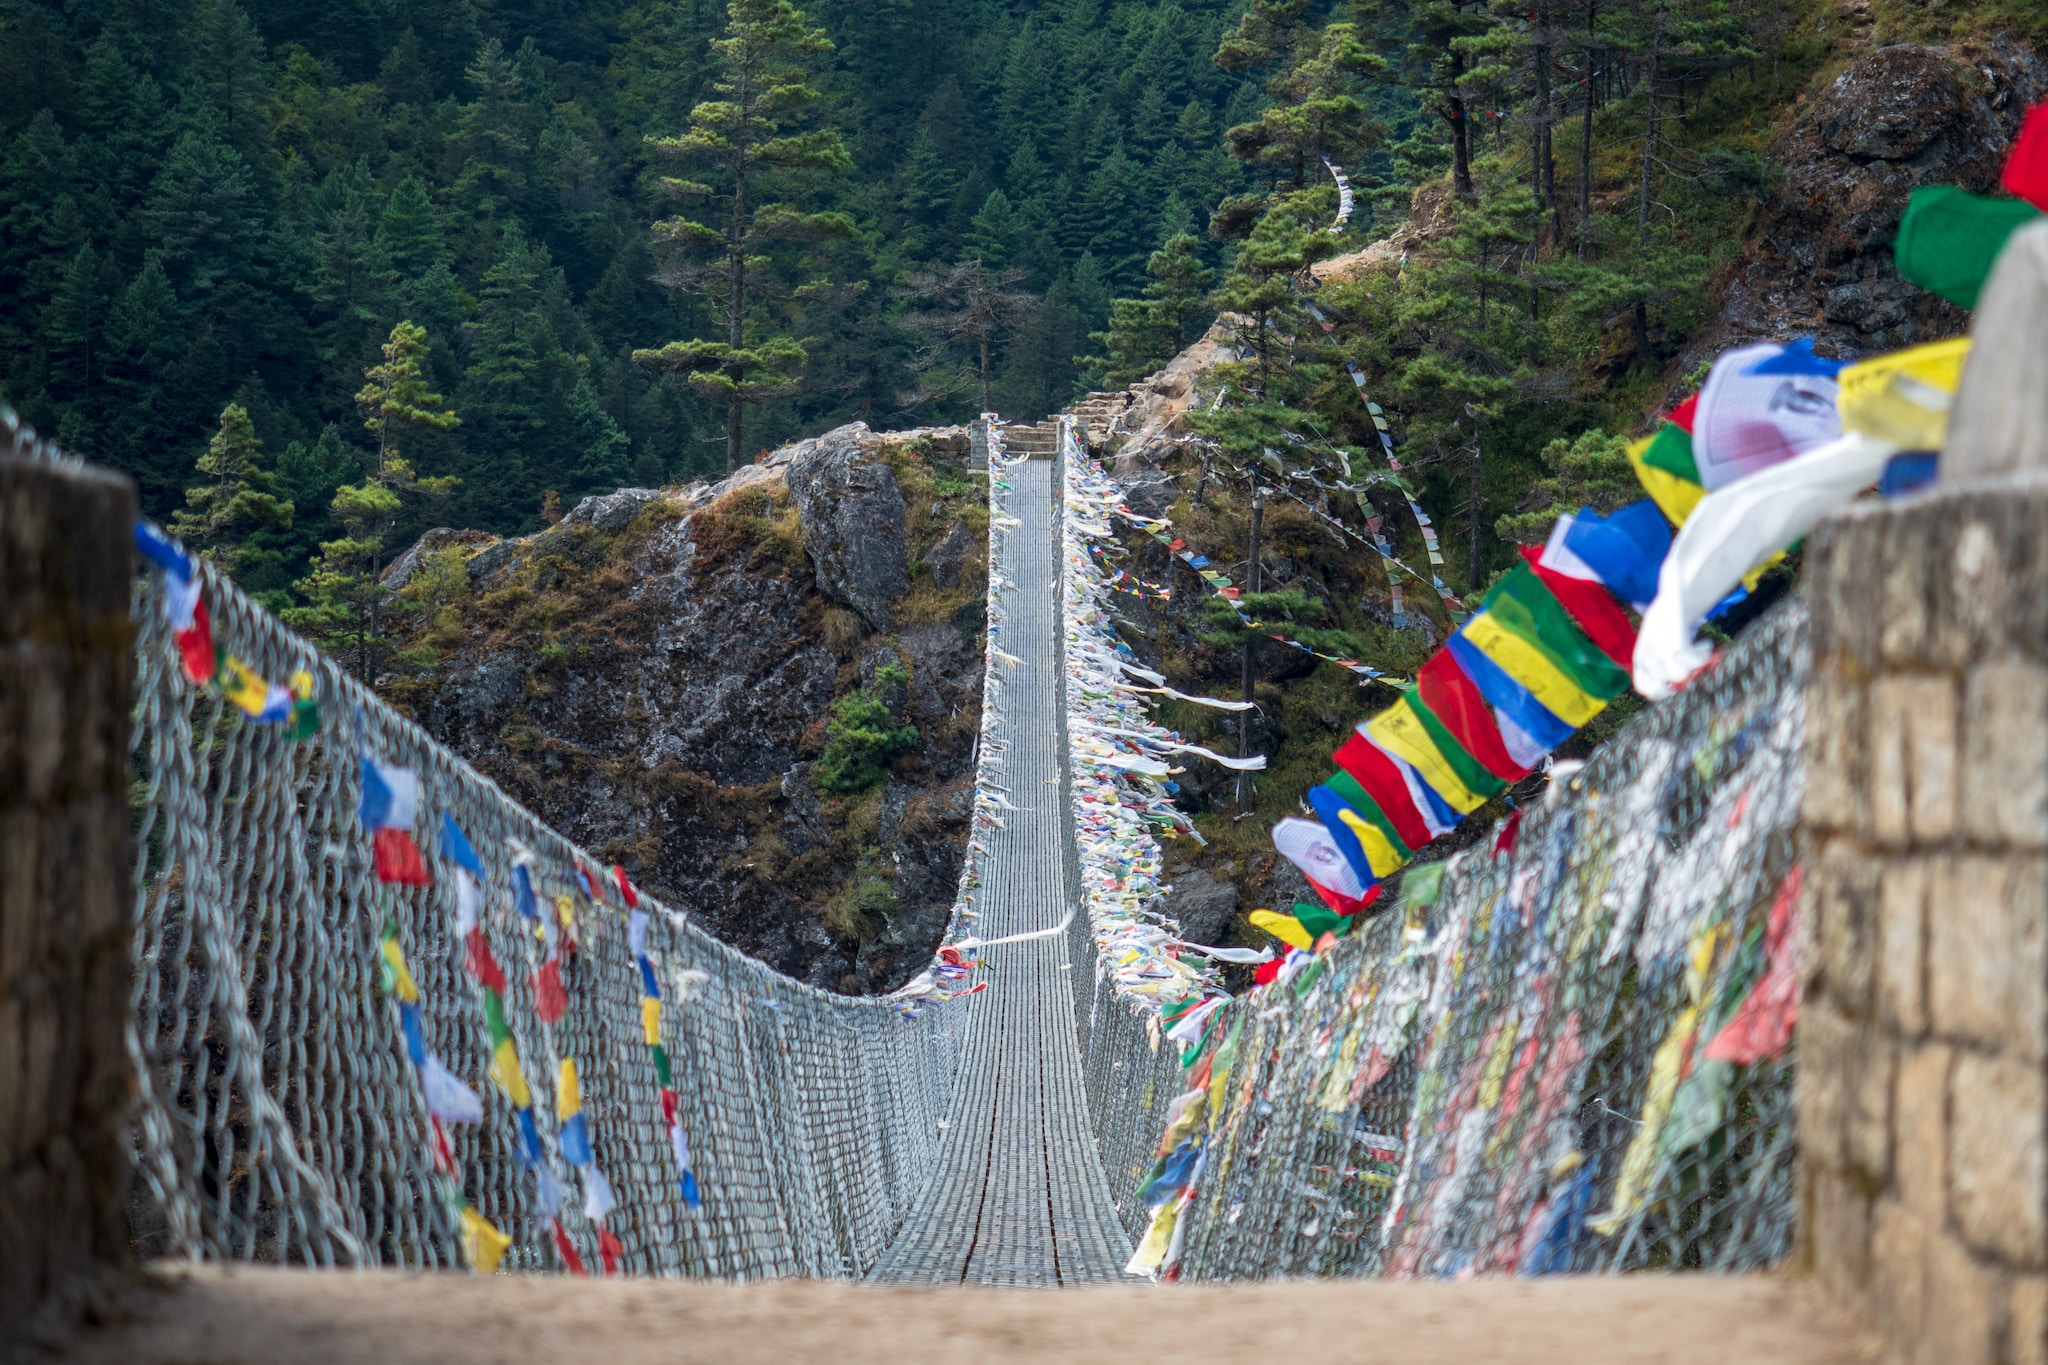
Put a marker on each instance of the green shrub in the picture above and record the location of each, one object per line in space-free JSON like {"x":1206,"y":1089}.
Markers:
{"x":861,"y":736}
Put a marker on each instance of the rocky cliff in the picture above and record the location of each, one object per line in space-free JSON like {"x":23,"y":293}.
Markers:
{"x":760,"y":695}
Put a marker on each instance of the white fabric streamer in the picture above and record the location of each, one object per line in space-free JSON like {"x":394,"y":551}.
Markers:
{"x":1732,"y":531}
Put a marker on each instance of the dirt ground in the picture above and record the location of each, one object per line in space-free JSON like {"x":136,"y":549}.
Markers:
{"x":246,"y":1317}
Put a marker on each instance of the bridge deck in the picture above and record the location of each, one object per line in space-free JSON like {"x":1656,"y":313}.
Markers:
{"x":1018,"y":1196}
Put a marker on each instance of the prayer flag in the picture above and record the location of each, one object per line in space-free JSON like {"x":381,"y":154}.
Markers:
{"x":1286,"y":928}
{"x":1378,"y":775}
{"x":1591,"y":607}
{"x":1624,"y":549}
{"x":390,"y":804}
{"x":1664,"y":466}
{"x":1309,"y":846}
{"x":1751,"y":416}
{"x":1949,"y":238}
{"x":1452,"y":773}
{"x":2026,"y":165}
{"x":1444,"y":694}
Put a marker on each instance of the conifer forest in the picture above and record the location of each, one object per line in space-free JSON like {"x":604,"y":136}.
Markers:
{"x":319,"y":276}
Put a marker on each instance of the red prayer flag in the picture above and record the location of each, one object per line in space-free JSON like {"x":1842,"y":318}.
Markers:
{"x":1592,"y":609}
{"x":1382,"y":781}
{"x":567,"y":1249}
{"x":2026,"y":165}
{"x":398,"y":858}
{"x":609,"y":1250}
{"x":550,"y":997}
{"x":482,"y":963}
{"x":1762,"y":1026}
{"x":195,"y":644}
{"x":1455,"y":700}
{"x":1681,"y":416}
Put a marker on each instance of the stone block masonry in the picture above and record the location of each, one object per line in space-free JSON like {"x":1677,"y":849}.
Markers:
{"x":66,"y":650}
{"x":1924,"y":1035}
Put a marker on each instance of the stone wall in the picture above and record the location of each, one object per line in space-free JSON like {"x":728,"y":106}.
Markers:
{"x":1923,"y":1041}
{"x":66,"y":651}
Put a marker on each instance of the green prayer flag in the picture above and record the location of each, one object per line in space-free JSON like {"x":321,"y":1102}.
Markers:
{"x":1949,"y":239}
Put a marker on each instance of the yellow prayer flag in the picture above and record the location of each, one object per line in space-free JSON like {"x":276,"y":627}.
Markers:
{"x":1551,"y":686}
{"x":402,"y":984}
{"x":240,"y":685}
{"x":484,"y":1244}
{"x":650,"y":1019}
{"x":568,"y":1096}
{"x":506,"y":1075}
{"x":1380,"y":852}
{"x":1286,"y":928}
{"x":1401,"y":733}
{"x":1675,"y":497}
{"x":1903,"y":397}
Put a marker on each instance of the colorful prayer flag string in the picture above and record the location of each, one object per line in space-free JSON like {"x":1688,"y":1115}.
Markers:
{"x":650,"y":1018}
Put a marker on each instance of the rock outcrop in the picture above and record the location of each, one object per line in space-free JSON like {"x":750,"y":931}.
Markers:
{"x":655,"y":674}
{"x":853,"y":522}
{"x":1820,"y":262}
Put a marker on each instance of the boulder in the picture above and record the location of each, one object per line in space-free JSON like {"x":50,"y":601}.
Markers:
{"x":440,"y":538}
{"x":1203,"y":905}
{"x":944,"y":562}
{"x":852,"y":515}
{"x":611,"y":511}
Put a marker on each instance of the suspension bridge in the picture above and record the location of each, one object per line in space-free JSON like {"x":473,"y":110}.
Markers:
{"x":1498,"y":1079}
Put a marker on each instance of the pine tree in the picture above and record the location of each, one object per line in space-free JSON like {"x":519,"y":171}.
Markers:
{"x":397,"y":395}
{"x":1317,"y":109}
{"x":749,"y":133}
{"x":1146,"y":332}
{"x":971,"y":304}
{"x":928,"y":183}
{"x":602,"y":464}
{"x":996,"y":236}
{"x":219,"y":515}
{"x":345,"y":593}
{"x":409,"y":230}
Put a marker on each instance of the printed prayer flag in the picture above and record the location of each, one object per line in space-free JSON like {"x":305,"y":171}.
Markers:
{"x":1450,"y":773}
{"x":1444,"y":694}
{"x":1370,"y":766}
{"x":1309,"y":846}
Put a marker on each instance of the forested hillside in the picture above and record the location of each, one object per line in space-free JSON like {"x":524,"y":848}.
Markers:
{"x":205,"y":204}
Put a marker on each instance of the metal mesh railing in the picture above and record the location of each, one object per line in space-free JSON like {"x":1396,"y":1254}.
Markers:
{"x":281,"y":1118}
{"x":1577,"y":1058}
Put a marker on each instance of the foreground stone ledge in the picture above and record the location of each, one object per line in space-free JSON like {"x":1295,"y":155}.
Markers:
{"x":245,"y":1316}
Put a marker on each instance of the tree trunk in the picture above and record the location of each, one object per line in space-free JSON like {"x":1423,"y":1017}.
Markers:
{"x":1473,"y":491}
{"x":1649,"y":146}
{"x":984,"y":345}
{"x":1461,"y":133}
{"x":1539,"y":140}
{"x":1586,"y":159}
{"x":1642,"y":310}
{"x":735,"y":330}
{"x":1244,"y":718}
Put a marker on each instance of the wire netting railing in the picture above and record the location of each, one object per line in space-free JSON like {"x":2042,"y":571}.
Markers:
{"x":281,"y":1117}
{"x":1576,"y":1058}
